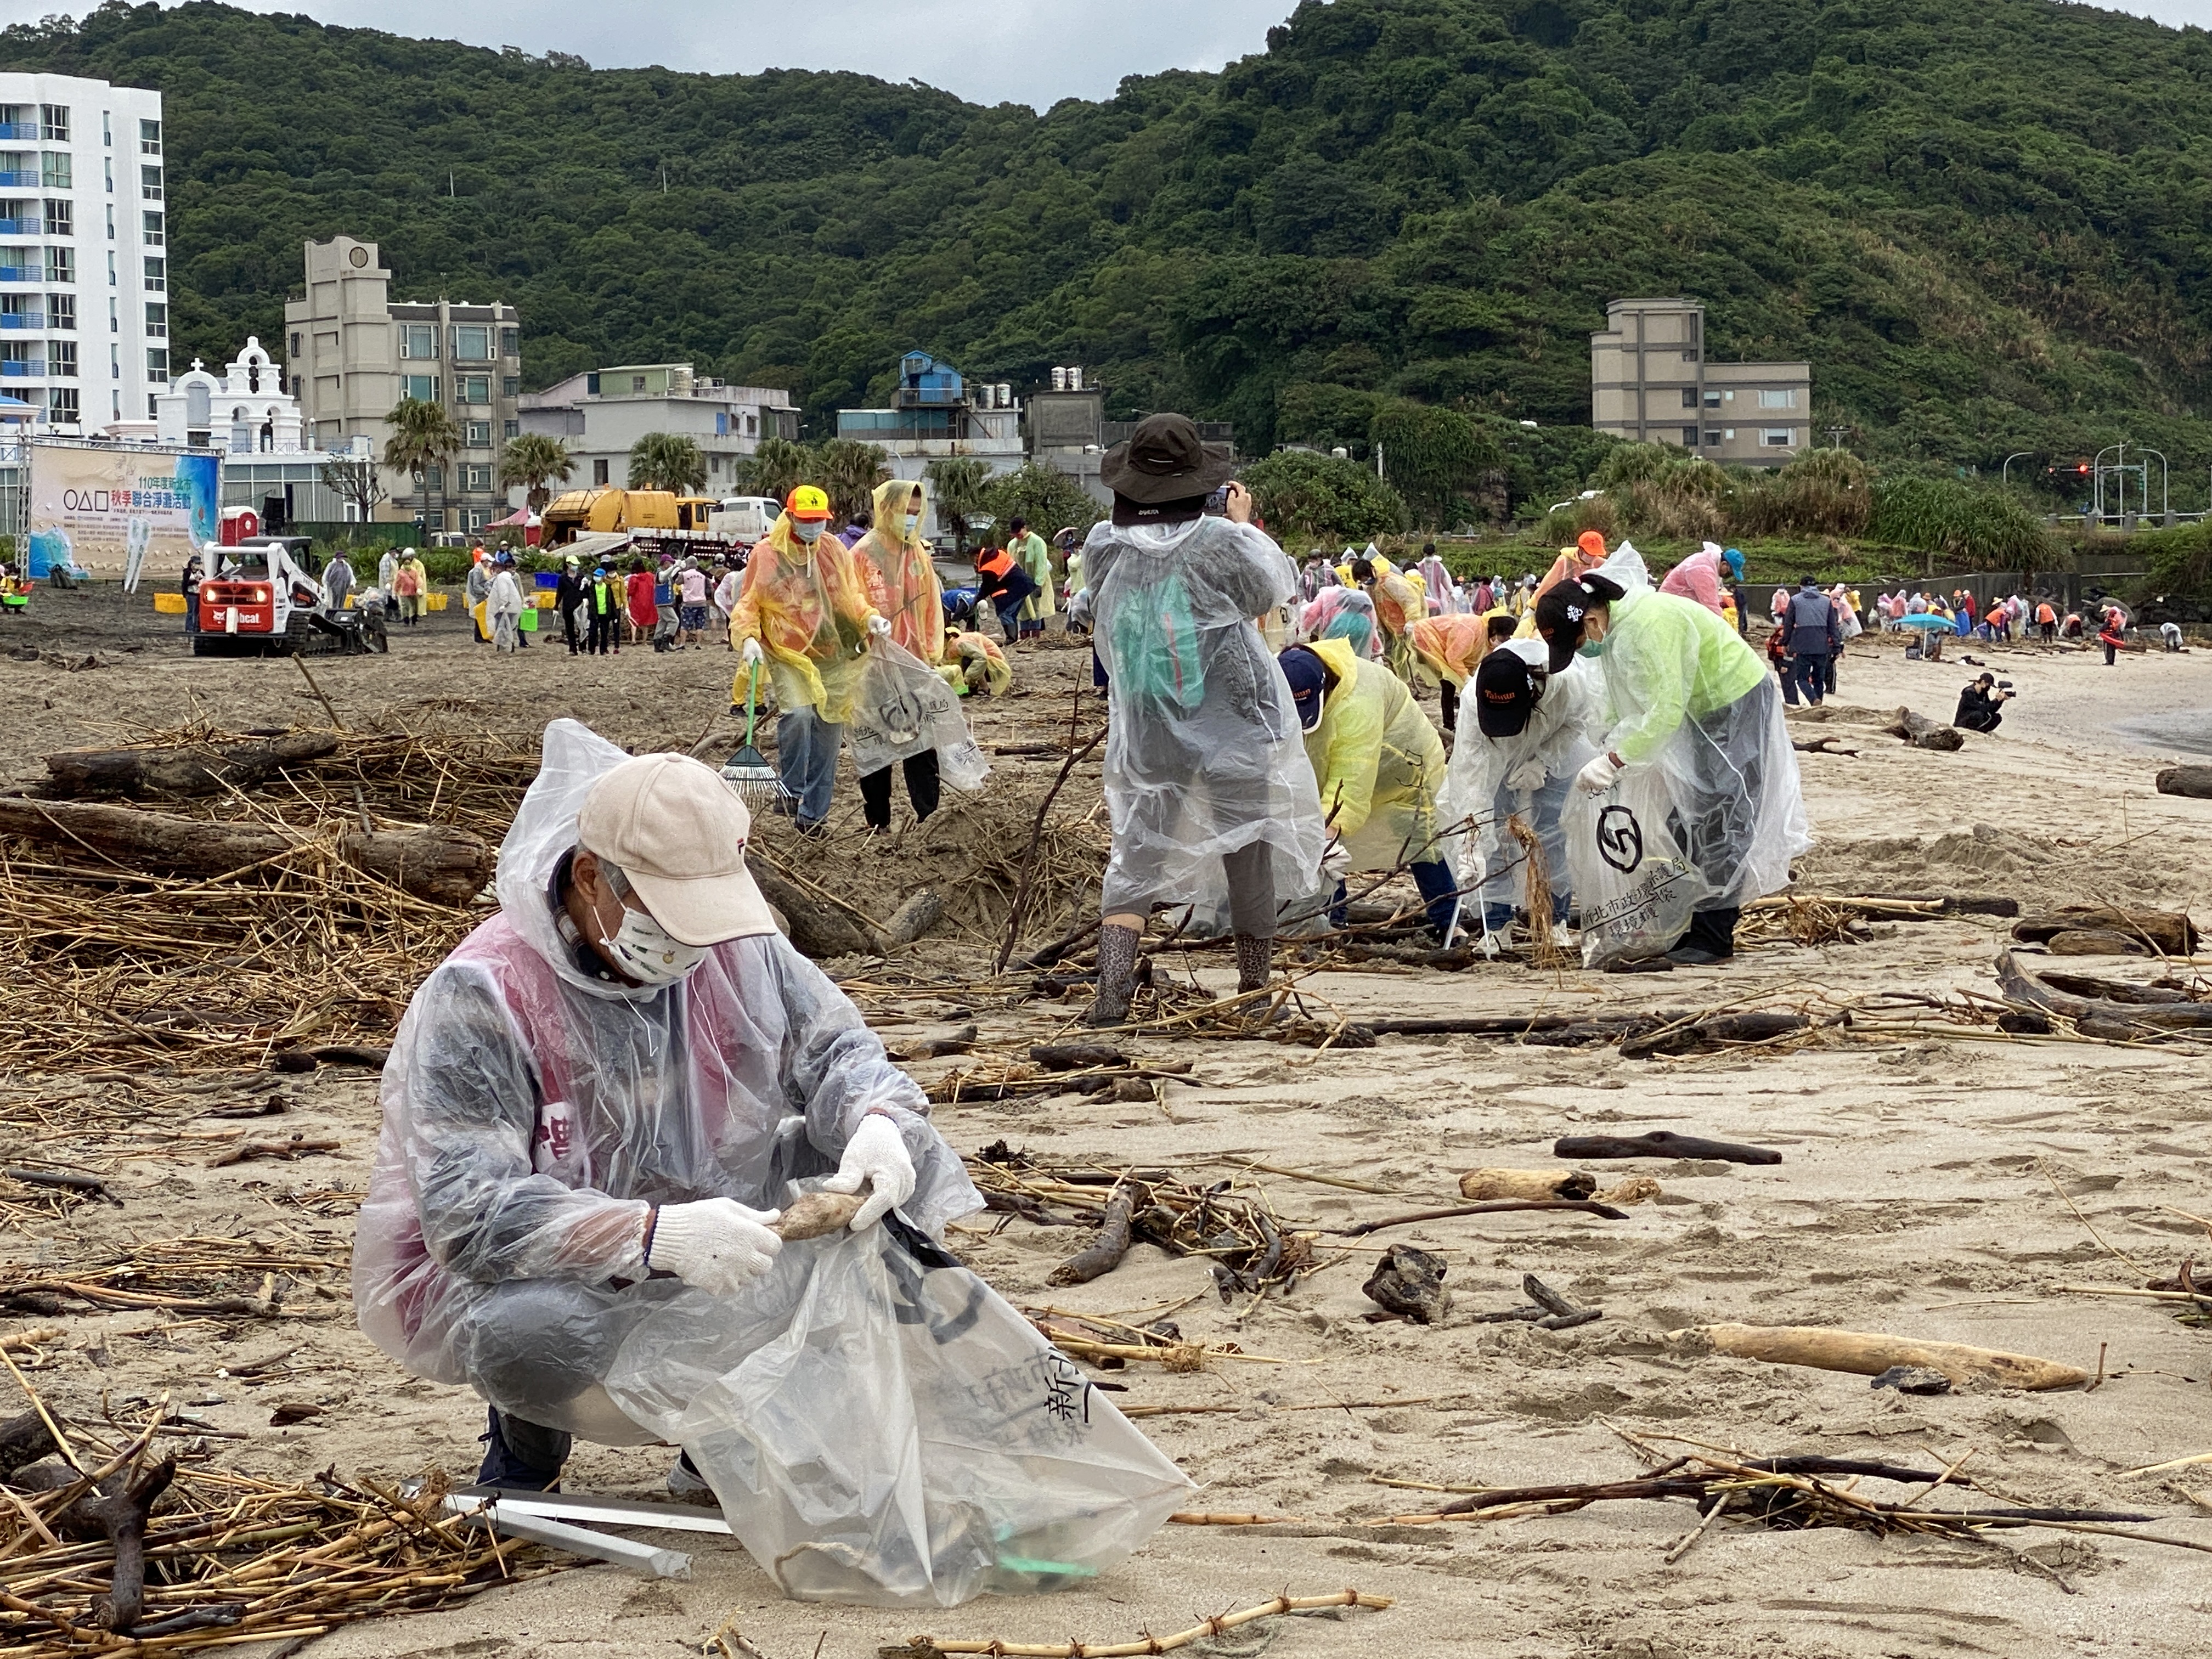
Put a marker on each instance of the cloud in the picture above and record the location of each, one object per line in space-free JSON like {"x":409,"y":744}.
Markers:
{"x":1030,"y":52}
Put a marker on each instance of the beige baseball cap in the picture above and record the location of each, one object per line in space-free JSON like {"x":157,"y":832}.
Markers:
{"x":678,"y":830}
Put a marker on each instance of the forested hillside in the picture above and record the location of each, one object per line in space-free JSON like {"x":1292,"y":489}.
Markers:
{"x":1986,"y":222}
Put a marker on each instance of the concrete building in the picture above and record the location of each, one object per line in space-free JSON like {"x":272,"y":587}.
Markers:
{"x":1650,"y":381}
{"x":246,"y":414}
{"x":84,"y":283}
{"x":938,"y":414}
{"x":599,"y":415}
{"x":355,"y":354}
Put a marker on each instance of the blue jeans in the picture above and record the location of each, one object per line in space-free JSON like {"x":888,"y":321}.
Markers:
{"x":1439,"y":891}
{"x":806,"y":758}
{"x":1808,"y":671}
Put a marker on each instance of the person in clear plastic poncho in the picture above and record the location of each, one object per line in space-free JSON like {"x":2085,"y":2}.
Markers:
{"x":1523,"y":734}
{"x":1686,"y":696}
{"x":805,"y":611}
{"x":586,"y":1116}
{"x":1378,"y":765}
{"x":894,"y":560}
{"x":1206,"y":782}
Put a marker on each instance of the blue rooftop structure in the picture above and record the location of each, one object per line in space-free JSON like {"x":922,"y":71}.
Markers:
{"x":927,"y":383}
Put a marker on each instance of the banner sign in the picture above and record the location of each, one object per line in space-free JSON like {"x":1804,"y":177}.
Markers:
{"x":110,"y":508}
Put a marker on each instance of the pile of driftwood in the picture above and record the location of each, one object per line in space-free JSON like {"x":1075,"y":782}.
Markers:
{"x":104,"y":1547}
{"x":1249,"y":1247}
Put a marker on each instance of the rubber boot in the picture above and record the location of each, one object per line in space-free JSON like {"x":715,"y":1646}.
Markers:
{"x":1117,"y":976}
{"x":521,"y":1456}
{"x":1255,"y":962}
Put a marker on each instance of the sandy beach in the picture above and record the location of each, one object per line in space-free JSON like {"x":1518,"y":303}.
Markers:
{"x":1938,"y":1183}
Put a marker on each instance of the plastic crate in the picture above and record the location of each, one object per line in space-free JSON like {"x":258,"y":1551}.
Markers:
{"x":547,"y":578}
{"x":169,"y":604}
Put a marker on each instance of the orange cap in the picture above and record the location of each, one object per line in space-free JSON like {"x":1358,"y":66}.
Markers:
{"x":1591,"y":543}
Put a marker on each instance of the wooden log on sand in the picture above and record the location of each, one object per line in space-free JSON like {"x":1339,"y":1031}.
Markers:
{"x":2170,"y":933}
{"x":443,"y":865}
{"x":1660,"y":1143}
{"x":1526,"y":1183}
{"x":2195,"y":781}
{"x":189,"y":769}
{"x":1923,"y":733}
{"x":2025,"y":990}
{"x":1866,"y":1354}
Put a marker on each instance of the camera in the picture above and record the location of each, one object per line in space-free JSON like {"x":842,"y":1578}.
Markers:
{"x":1217,"y":504}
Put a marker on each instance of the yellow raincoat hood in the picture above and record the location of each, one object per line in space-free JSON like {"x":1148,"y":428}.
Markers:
{"x":809,"y":608}
{"x":902,"y":581}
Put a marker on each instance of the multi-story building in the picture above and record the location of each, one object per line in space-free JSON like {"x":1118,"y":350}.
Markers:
{"x":600,"y":414}
{"x":354,"y":354}
{"x":937,"y":414}
{"x":84,"y":282}
{"x":1650,"y":381}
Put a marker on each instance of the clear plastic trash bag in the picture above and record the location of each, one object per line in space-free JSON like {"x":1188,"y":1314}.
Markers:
{"x":902,"y":708}
{"x":1631,"y":878}
{"x":880,"y":1427}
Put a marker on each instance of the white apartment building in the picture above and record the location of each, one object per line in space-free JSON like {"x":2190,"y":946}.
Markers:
{"x":600,"y":413}
{"x":84,"y":279}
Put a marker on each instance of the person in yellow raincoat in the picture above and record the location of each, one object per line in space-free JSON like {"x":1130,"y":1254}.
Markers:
{"x":1446,"y":649}
{"x":804,"y":611}
{"x":1379,"y":764}
{"x":976,"y":662}
{"x":902,"y":585}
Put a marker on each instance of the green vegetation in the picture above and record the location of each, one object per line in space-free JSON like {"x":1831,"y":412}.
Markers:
{"x":955,"y":485}
{"x":1050,"y":500}
{"x":536,"y":462}
{"x":666,"y":460}
{"x":424,"y":441}
{"x":1986,"y":223}
{"x":1309,"y":500}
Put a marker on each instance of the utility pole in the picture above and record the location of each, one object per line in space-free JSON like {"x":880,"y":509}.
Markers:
{"x":1836,"y":436}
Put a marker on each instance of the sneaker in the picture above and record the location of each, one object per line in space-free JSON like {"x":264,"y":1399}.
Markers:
{"x":1692,"y":955}
{"x":521,"y":1456}
{"x":684,"y":1481}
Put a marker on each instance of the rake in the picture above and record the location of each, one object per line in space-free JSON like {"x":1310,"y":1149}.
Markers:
{"x":749,"y":769}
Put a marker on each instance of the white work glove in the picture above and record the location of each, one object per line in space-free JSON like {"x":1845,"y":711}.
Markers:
{"x":1597,"y":777}
{"x":879,"y":628}
{"x":1530,"y":775}
{"x":716,"y":1244}
{"x":1336,"y":865}
{"x":749,"y":653}
{"x":875,"y":1155}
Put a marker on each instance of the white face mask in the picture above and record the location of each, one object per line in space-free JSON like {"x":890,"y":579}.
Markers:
{"x":807,"y":530}
{"x":912,"y":520}
{"x":648,"y":953}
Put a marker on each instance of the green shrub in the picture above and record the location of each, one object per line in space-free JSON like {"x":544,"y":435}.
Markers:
{"x":1309,"y":499}
{"x":1972,"y":524}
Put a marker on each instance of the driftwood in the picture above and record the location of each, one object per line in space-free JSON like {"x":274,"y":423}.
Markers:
{"x":1869,"y":1355}
{"x":1830,"y":745}
{"x":116,"y":1510}
{"x":1526,"y":1183}
{"x":1104,"y":1254}
{"x":1923,"y":733}
{"x":1548,"y":1311}
{"x":24,"y":1440}
{"x":1587,"y":1206}
{"x":67,"y":1181}
{"x":929,"y":1647}
{"x":1076,"y":1056}
{"x":813,"y":1214}
{"x":2195,"y":781}
{"x":1756,"y":1027}
{"x":1660,"y":1143}
{"x":2170,"y":933}
{"x":2026,"y":990}
{"x":445,"y":866}
{"x":192,"y":769}
{"x":1409,"y":1283}
{"x":818,"y":930}
{"x":920,"y":913}
{"x":2095,"y":942}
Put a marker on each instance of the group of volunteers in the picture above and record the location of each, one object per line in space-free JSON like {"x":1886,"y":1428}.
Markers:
{"x":1250,"y":781}
{"x":601,"y":1108}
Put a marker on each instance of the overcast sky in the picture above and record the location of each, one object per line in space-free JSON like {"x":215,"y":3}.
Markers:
{"x":1031,"y":51}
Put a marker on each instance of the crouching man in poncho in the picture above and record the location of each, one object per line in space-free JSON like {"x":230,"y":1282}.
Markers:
{"x":595,"y":1108}
{"x":597,"y":1099}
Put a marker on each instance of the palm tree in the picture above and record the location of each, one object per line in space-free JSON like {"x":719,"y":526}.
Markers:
{"x":955,"y":485}
{"x":534,"y":461}
{"x":423,"y":435}
{"x":777,"y":467}
{"x":667,"y":460}
{"x":850,"y":470}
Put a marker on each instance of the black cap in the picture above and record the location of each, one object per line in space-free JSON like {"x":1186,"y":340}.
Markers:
{"x":1505,"y":690}
{"x":1559,"y":613}
{"x":1308,"y":680}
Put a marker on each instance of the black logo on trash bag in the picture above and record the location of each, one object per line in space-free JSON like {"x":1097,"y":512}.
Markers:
{"x":901,"y":715}
{"x":1619,"y":839}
